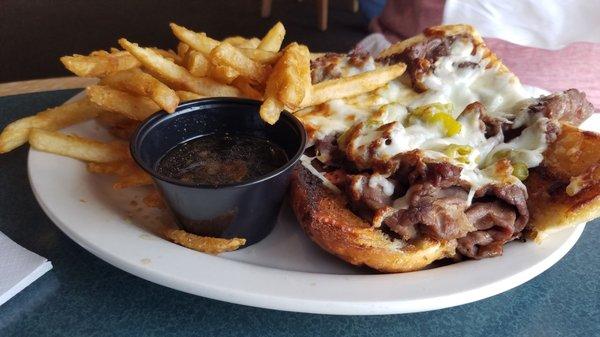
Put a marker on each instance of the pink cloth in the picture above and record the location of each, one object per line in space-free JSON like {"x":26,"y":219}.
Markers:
{"x":575,"y":66}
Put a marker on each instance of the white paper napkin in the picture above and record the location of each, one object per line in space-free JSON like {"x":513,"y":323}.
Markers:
{"x":18,"y":268}
{"x":549,"y":24}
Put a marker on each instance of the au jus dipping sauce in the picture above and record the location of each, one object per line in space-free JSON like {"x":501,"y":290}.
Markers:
{"x":221,"y":159}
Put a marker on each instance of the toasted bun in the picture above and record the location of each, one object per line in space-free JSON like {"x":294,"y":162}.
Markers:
{"x":448,"y":30}
{"x":326,"y":219}
{"x":573,"y":155}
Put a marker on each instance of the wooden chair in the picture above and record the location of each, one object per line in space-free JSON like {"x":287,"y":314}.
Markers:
{"x":322,"y":11}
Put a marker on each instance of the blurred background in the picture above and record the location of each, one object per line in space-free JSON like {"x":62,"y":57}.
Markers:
{"x":35,"y":33}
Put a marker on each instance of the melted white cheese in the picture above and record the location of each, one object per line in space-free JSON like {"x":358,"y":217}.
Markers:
{"x":377,"y":180}
{"x":499,"y":91}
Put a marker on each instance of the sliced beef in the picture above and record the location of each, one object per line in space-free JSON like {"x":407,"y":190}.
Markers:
{"x":329,"y":66}
{"x":421,"y":57}
{"x":362,"y":194}
{"x":499,"y":217}
{"x":495,"y":223}
{"x":434,"y":211}
{"x":568,"y":106}
{"x":327,"y":150}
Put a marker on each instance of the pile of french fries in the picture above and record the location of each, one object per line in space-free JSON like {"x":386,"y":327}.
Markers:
{"x":134,"y":82}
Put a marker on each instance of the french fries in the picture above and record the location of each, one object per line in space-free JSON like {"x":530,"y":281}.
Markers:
{"x":227,"y":55}
{"x":273,"y":39}
{"x":16,"y":133}
{"x":245,"y":86}
{"x":197,"y":41}
{"x":289,"y":83}
{"x":132,"y":106}
{"x":175,"y":75}
{"x":99,"y":64}
{"x":188,"y":96}
{"x":78,"y":147}
{"x":353,"y":85}
{"x":222,"y":73}
{"x":203,"y":243}
{"x":196,"y":63}
{"x":137,"y":82}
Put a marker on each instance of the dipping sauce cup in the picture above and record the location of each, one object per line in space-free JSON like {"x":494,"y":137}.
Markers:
{"x":247,"y":209}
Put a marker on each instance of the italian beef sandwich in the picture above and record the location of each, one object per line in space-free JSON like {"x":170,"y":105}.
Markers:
{"x":453,"y":159}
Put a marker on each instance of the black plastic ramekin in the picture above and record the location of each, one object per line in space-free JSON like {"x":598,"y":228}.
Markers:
{"x":246,"y":210}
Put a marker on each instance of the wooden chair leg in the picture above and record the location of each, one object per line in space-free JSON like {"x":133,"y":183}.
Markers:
{"x":322,"y":12}
{"x":265,"y":10}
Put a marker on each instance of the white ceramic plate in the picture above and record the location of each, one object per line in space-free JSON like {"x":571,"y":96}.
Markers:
{"x":285,"y":271}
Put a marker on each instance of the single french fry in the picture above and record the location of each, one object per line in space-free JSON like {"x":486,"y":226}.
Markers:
{"x":353,"y":85}
{"x":118,"y":168}
{"x":270,"y":110}
{"x":188,"y":96}
{"x":175,"y":75}
{"x":223,"y":73}
{"x":203,"y":243}
{"x":196,"y":63}
{"x":132,"y":106}
{"x":99,"y":64}
{"x":250,"y":43}
{"x":78,"y":147}
{"x":197,"y":41}
{"x":288,"y":84}
{"x":260,"y":56}
{"x":182,"y":49}
{"x":245,"y":86}
{"x":273,"y":39}
{"x":235,"y":40}
{"x":228,"y":55}
{"x":16,"y":133}
{"x":168,"y":54}
{"x":137,"y":82}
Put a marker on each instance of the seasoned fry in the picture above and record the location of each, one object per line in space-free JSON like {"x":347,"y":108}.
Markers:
{"x":273,"y":39}
{"x":16,"y":133}
{"x":223,"y":73}
{"x":235,"y":40}
{"x":182,"y":49}
{"x":78,"y":147}
{"x":353,"y":85}
{"x":175,"y":75}
{"x":203,"y":243}
{"x":138,"y":82}
{"x":197,"y":41}
{"x":228,"y":55}
{"x":188,"y":96}
{"x":196,"y":63}
{"x":289,"y":83}
{"x":245,"y":86}
{"x":99,"y":64}
{"x":134,"y":107}
{"x":260,"y":56}
{"x":169,"y":54}
{"x":250,"y":43}
{"x":270,"y":110}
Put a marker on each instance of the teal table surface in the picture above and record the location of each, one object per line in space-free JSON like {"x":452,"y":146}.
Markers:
{"x":85,"y":296}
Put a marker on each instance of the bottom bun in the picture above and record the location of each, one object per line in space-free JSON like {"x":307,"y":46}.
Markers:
{"x":326,"y":219}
